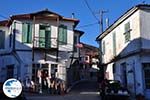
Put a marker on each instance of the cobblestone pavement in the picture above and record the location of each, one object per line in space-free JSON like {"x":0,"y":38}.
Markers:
{"x":82,"y":91}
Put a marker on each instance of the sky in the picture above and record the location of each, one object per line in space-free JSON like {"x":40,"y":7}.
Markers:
{"x":87,"y":11}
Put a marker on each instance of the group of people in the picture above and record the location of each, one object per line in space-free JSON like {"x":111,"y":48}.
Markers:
{"x":54,"y":86}
{"x":48,"y":85}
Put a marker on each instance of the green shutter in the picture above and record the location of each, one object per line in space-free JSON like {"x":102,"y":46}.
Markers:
{"x":62,"y":34}
{"x":45,"y":36}
{"x":114,"y":43}
{"x":103,"y":47}
{"x":127,"y":27}
{"x":42,"y":38}
{"x":60,"y":37}
{"x":127,"y":32}
{"x":48,"y":37}
{"x":65,"y":35}
{"x":29,"y":33}
{"x":24,"y":32}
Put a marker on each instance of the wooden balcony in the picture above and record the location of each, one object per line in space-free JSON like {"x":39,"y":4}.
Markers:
{"x":44,"y":43}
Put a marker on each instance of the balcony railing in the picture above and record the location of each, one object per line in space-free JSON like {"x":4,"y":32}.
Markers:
{"x":45,"y":42}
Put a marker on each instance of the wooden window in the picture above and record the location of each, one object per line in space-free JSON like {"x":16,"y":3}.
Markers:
{"x":2,"y":39}
{"x":103,"y":47}
{"x":114,"y":43}
{"x":26,"y":33}
{"x":45,"y":36}
{"x":62,"y":35}
{"x":127,"y":32}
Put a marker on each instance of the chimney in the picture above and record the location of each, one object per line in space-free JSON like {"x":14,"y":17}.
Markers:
{"x":73,"y":15}
{"x":107,"y":22}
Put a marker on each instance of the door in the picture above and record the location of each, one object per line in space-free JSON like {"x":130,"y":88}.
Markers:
{"x":146,"y":70}
{"x":10,"y":71}
{"x":124,"y":74}
{"x":45,"y":36}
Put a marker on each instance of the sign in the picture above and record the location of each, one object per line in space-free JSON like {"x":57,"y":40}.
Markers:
{"x":12,"y":88}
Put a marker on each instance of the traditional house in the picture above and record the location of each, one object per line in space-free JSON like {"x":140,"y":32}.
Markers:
{"x":37,"y":45}
{"x":88,"y":61}
{"x":126,"y":50}
{"x":73,"y":70}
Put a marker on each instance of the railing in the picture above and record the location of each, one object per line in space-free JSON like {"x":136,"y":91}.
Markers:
{"x":45,"y":42}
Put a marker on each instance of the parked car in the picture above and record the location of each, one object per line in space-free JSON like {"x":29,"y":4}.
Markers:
{"x":113,"y":90}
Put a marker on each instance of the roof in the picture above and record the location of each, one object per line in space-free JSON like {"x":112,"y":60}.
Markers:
{"x":80,"y":32}
{"x":43,"y":14}
{"x":88,"y":46}
{"x":123,"y":17}
{"x":4,"y":23}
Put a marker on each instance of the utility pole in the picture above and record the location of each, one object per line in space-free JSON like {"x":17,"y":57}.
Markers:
{"x":101,"y":13}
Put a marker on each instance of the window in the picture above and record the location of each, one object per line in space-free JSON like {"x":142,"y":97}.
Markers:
{"x":127,"y":32}
{"x":75,"y":42}
{"x":114,"y":44}
{"x":2,"y":39}
{"x":26,"y":33}
{"x":45,"y":36}
{"x":54,"y":69}
{"x":10,"y":71}
{"x":147,"y":75}
{"x":62,"y":35}
{"x":124,"y":73}
{"x":103,"y":47}
{"x":114,"y":69}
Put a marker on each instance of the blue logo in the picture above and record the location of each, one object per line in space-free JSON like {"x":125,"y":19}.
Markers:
{"x":12,"y":88}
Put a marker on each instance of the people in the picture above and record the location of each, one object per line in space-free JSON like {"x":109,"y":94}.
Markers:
{"x":52,"y":86}
{"x":28,"y":84}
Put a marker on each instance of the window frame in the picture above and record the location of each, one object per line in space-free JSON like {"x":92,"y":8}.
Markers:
{"x":63,"y":34}
{"x":28,"y":33}
{"x":127,"y":33}
{"x":2,"y":46}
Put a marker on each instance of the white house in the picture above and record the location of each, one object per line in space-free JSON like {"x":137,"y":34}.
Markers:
{"x":38,"y":44}
{"x":125,"y":49}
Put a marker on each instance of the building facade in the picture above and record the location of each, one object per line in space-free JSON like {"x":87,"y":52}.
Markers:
{"x":88,"y":62}
{"x":36,"y":45}
{"x":126,"y":50}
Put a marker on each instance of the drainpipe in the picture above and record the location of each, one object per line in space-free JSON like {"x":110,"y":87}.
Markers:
{"x":14,"y":36}
{"x":14,"y":51}
{"x":134,"y":77}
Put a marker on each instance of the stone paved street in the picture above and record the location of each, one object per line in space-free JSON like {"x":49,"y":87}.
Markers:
{"x":82,"y":91}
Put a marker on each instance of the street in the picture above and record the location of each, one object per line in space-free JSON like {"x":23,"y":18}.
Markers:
{"x":83,"y":91}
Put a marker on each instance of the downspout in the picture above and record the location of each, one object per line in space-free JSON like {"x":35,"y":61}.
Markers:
{"x":33,"y":39}
{"x":57,"y":52}
{"x":14,"y":51}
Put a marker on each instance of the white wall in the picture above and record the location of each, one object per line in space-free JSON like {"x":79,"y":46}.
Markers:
{"x":145,"y":28}
{"x":6,"y":48}
{"x":54,"y":33}
{"x":122,"y":48}
{"x":133,"y":71}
